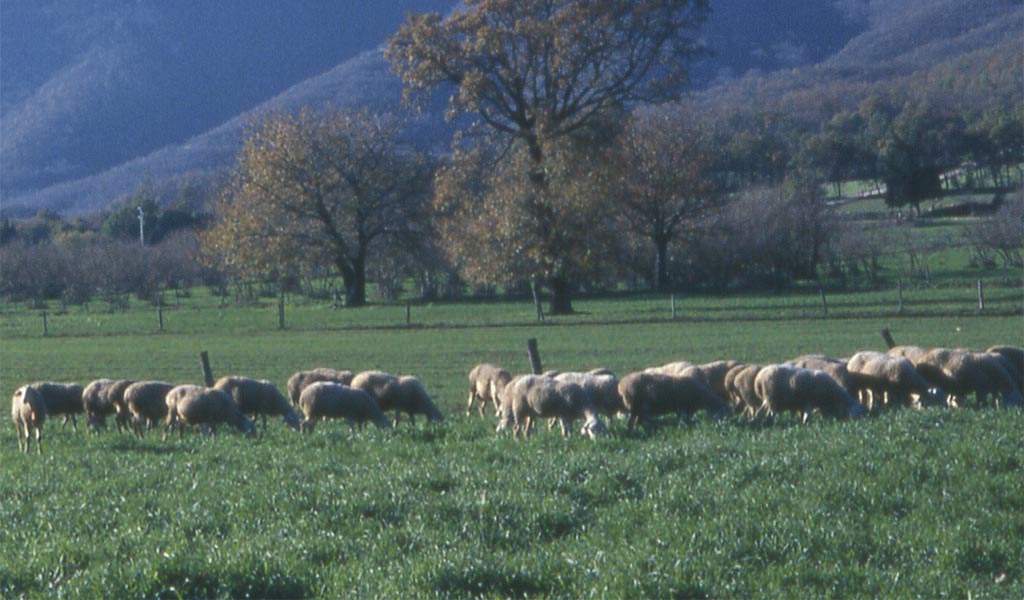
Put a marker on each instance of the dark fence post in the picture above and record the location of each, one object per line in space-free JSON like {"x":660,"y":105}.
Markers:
{"x":280,"y":311}
{"x":981,"y":297}
{"x":204,"y":358}
{"x":673,"y":301}
{"x":899,"y":290}
{"x":160,"y":313}
{"x":887,"y":336}
{"x":536,"y":302}
{"x":531,"y":349}
{"x":824,"y":303}
{"x":408,"y":314}
{"x":46,"y":331}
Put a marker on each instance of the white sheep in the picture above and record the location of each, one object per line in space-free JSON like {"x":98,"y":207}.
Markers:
{"x":485,"y":381}
{"x":536,"y":396}
{"x":327,"y":400}
{"x":104,"y":397}
{"x":298,"y":381}
{"x":891,"y":380}
{"x":258,"y":397}
{"x":61,"y":399}
{"x":980,"y":373}
{"x":739,"y":383}
{"x":602,"y":386}
{"x":714,"y":374}
{"x":647,"y":394}
{"x":400,"y":394}
{"x":201,"y":406}
{"x":835,"y":368}
{"x":146,"y":402}
{"x":794,"y":389}
{"x":29,"y":413}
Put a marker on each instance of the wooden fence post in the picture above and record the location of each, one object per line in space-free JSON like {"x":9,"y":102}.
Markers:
{"x":536,"y":302}
{"x":824,"y":303}
{"x":531,"y":349}
{"x":408,"y":314}
{"x":981,"y":297}
{"x":46,"y":332}
{"x":899,"y":290}
{"x":160,"y":313}
{"x":673,"y":301}
{"x":887,"y":336}
{"x":280,"y":311}
{"x":204,"y":359}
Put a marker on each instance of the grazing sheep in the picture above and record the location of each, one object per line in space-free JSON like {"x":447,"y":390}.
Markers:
{"x":982,"y":374}
{"x":104,"y":397}
{"x":258,"y":397}
{"x":485,"y":380}
{"x":714,"y":374}
{"x":739,"y":383}
{"x":530,"y":396}
{"x":1014,"y":356}
{"x":672,"y":368}
{"x":602,"y":386}
{"x":794,"y":389}
{"x":327,"y":400}
{"x":301,"y":379}
{"x":400,"y":394}
{"x":200,"y":406}
{"x":835,"y":368}
{"x":648,"y":394}
{"x":146,"y":402}
{"x":891,"y":380}
{"x":61,"y":399}
{"x":28,"y":412}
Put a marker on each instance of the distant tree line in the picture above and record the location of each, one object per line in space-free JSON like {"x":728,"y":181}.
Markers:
{"x":567,"y":183}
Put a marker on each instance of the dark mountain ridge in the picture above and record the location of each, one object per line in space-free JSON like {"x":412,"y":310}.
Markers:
{"x":142,"y":114}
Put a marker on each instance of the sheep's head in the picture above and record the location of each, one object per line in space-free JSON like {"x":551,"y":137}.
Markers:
{"x":857,"y":410}
{"x":292,"y":420}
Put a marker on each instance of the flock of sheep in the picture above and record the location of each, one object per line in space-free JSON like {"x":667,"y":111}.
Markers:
{"x":906,"y":376}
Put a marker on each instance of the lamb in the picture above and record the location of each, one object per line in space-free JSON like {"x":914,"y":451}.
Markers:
{"x":405,"y":394}
{"x":530,"y":396}
{"x":328,"y":400}
{"x":889,"y":380}
{"x":485,"y":380}
{"x":200,"y":406}
{"x":301,"y":379}
{"x":146,"y":402}
{"x":61,"y":399}
{"x":648,"y":394}
{"x":739,"y":383}
{"x":258,"y":397}
{"x":789,"y":388}
{"x":602,"y":386}
{"x":29,"y":413}
{"x":104,"y":397}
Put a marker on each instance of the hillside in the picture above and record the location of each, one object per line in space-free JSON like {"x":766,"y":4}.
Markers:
{"x":117,"y":91}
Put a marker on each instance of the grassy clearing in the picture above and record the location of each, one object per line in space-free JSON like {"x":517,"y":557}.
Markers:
{"x":902,"y":505}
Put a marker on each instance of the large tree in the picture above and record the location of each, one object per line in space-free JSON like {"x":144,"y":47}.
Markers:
{"x":666,"y":179}
{"x":540,"y":71}
{"x":314,"y":189}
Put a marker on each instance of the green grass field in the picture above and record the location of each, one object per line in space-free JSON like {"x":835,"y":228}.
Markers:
{"x":901,"y":505}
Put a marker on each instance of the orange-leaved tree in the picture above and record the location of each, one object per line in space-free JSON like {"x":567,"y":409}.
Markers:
{"x":542,"y":71}
{"x":315,"y":189}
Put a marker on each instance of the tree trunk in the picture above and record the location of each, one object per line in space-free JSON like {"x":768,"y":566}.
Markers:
{"x":561,"y":296}
{"x":660,"y":264}
{"x":353,"y":277}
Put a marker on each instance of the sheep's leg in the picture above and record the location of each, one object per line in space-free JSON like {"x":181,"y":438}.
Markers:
{"x":565,"y":426}
{"x":39,"y":440}
{"x":471,"y":402}
{"x":17,"y":427}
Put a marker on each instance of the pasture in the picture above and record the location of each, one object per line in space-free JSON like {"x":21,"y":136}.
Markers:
{"x":901,"y":504}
